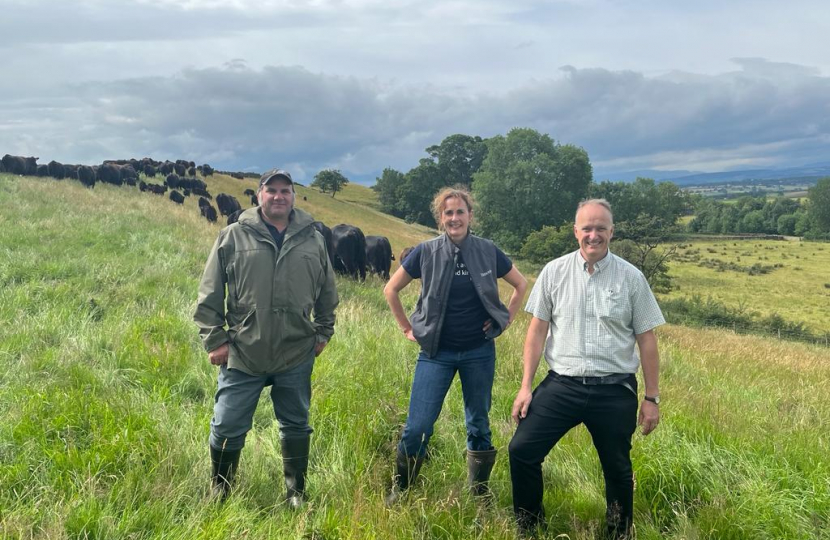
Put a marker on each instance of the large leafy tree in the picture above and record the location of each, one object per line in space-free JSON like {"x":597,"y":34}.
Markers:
{"x":388,"y":186}
{"x":419,"y":187}
{"x":643,"y":196}
{"x":528,"y":181}
{"x":820,"y":204}
{"x":329,"y":181}
{"x":459,"y":157}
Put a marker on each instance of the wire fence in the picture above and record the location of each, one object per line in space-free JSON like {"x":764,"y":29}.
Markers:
{"x":822,"y":340}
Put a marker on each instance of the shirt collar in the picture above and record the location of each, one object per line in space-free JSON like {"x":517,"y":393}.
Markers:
{"x":599,"y":266}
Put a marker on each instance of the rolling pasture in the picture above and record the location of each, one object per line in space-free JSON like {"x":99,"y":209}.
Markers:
{"x":108,"y":393}
{"x":787,"y":277}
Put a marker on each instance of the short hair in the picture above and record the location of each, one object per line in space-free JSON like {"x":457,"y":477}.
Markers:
{"x":458,"y":191}
{"x":601,"y":202}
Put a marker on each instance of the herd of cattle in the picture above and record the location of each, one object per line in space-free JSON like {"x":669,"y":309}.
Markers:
{"x":352,"y":253}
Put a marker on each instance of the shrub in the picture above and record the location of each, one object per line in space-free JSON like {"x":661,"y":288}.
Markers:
{"x":549,"y":243}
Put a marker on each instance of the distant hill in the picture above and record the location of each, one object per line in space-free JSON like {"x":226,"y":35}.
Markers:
{"x":806,"y":174}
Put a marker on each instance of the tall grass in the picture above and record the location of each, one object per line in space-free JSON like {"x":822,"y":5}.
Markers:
{"x":107,"y":398}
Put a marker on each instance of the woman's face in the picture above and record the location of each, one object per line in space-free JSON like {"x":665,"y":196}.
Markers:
{"x":455,"y":219}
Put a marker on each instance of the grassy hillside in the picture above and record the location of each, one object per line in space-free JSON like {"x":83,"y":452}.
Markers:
{"x":795,"y":282}
{"x":108,"y":397}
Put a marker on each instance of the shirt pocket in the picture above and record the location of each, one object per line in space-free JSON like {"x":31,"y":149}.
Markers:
{"x":614,"y":305}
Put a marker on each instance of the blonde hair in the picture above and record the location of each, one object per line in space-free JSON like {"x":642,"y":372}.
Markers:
{"x":458,"y":191}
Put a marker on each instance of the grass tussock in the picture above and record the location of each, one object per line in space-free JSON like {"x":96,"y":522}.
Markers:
{"x":107,"y":398}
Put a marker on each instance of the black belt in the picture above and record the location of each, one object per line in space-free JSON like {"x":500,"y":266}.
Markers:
{"x":613,"y":378}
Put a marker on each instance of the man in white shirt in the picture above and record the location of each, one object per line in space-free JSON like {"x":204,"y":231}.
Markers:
{"x":589,"y":309}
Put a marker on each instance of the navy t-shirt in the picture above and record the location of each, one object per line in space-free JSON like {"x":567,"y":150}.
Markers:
{"x":463,"y":328}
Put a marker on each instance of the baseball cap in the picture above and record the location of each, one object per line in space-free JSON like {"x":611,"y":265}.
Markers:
{"x":265,"y":178}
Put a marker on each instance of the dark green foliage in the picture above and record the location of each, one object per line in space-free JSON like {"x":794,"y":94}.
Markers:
{"x":697,"y":311}
{"x":756,"y":215}
{"x":528,"y":181}
{"x":820,"y":204}
{"x":548,"y":243}
{"x":329,"y":181}
{"x":646,"y":243}
{"x":643,"y":197}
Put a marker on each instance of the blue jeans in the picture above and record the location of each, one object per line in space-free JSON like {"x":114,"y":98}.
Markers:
{"x":237,"y":396}
{"x":433,"y":377}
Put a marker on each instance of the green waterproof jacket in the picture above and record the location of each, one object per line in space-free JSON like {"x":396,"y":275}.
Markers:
{"x":266,"y":313}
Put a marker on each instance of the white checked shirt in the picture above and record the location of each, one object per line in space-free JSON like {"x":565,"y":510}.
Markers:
{"x":593,"y":318}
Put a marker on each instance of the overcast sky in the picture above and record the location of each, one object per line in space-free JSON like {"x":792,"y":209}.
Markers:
{"x":360,"y":85}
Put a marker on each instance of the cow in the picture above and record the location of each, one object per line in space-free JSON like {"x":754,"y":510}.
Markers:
{"x":172,"y":180}
{"x":56,"y":170}
{"x":128,"y":175}
{"x":149,"y":171}
{"x":379,"y":255}
{"x":71,"y":171}
{"x":326,"y":232}
{"x":109,"y":173}
{"x":43,"y":170}
{"x":201,"y":192}
{"x":176,"y":197}
{"x":191,"y":171}
{"x":206,"y":169}
{"x":250,"y":192}
{"x":165,"y":168}
{"x":209,"y":212}
{"x":179,"y":168}
{"x":2,"y":167}
{"x":349,"y":251}
{"x":404,"y":253}
{"x":203,"y":203}
{"x":227,"y":204}
{"x":86,"y":175}
{"x":233,"y":218}
{"x":20,"y":165}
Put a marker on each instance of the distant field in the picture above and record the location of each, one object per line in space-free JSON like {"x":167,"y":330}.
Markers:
{"x":798,"y":289}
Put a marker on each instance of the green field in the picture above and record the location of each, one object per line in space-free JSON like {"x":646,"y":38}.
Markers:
{"x":109,"y":395}
{"x":797,"y":285}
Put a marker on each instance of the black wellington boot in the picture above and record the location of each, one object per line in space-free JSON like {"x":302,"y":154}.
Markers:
{"x":479,"y":466}
{"x":294,"y":466}
{"x":406,"y":471}
{"x":224,"y":464}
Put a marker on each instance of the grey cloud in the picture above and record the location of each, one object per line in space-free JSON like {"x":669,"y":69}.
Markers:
{"x":240,"y":118}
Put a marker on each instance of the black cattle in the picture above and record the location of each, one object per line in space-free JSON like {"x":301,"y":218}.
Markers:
{"x":2,"y":167}
{"x":404,"y":253}
{"x":305,"y":198}
{"x":192,"y":183}
{"x":201,"y":192}
{"x":233,"y":218}
{"x":191,"y":171}
{"x":254,"y":200}
{"x":128,"y":175}
{"x":43,"y":170}
{"x":227,"y":204}
{"x":349,"y":251}
{"x":206,"y":169}
{"x":176,"y":197}
{"x":149,"y":171}
{"x":172,"y":180}
{"x":379,"y":255}
{"x":165,"y":168}
{"x":56,"y":170}
{"x":71,"y":171}
{"x":326,"y":232}
{"x":209,"y":212}
{"x":153,"y":188}
{"x":203,"y":203}
{"x":20,"y":164}
{"x":109,"y":173}
{"x":86,"y":175}
{"x":179,"y":169}
{"x":250,"y":192}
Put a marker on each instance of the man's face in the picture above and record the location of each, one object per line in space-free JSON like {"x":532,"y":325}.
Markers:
{"x":593,"y":229}
{"x":276,"y":198}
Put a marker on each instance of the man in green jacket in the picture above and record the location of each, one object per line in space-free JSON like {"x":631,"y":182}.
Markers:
{"x":265,"y":276}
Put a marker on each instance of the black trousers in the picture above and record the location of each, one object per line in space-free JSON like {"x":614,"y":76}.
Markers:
{"x":560,"y":403}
